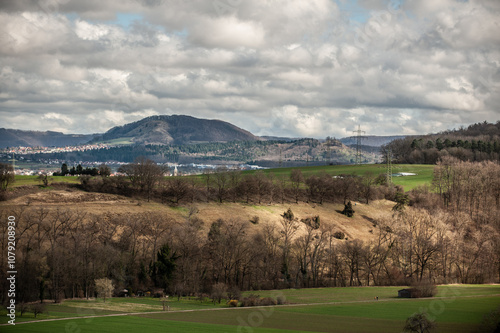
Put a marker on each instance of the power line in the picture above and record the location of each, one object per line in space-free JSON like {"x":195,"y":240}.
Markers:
{"x":358,"y":143}
{"x":389,"y":167}
{"x":13,"y":163}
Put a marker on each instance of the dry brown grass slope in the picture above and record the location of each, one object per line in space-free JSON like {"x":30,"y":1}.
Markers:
{"x":361,"y":226}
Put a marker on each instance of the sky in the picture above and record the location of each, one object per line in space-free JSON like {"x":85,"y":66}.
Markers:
{"x":291,"y":68}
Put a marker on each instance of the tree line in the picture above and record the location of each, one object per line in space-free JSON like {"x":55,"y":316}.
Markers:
{"x":479,"y":142}
{"x":147,"y":179}
{"x":446,"y":234}
{"x":103,"y":170}
{"x":62,"y":252}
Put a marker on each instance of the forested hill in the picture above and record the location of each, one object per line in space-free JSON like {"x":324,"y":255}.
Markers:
{"x":177,"y":129}
{"x":19,"y":138}
{"x":477,"y":142}
{"x":371,"y":140}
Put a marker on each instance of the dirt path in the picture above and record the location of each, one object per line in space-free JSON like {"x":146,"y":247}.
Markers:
{"x":245,"y":308}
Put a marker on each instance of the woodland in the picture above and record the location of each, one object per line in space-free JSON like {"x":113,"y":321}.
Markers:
{"x":444,"y":233}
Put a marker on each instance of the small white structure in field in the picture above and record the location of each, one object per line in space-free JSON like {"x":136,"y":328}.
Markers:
{"x":403,"y":174}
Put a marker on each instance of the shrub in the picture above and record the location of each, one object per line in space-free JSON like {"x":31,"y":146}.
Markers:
{"x":255,"y":300}
{"x":419,"y":322}
{"x":233,"y":303}
{"x":339,"y":235}
{"x":255,"y":220}
{"x":423,"y":288}
{"x":348,"y":210}
{"x":251,"y":300}
{"x":267,"y":301}
{"x":280,"y":300}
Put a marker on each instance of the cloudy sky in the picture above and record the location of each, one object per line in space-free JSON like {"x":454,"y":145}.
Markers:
{"x":274,"y":67}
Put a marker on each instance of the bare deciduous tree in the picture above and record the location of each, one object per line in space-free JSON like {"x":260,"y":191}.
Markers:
{"x":6,"y":176}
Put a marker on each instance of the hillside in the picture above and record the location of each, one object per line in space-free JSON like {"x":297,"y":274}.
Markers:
{"x":299,"y":152}
{"x":371,"y":140}
{"x":108,"y":206}
{"x":478,"y":142}
{"x":19,"y":138}
{"x":177,"y":129}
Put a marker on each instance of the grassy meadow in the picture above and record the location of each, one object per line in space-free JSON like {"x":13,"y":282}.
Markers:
{"x":456,"y":308}
{"x":33,"y":180}
{"x":423,"y":174}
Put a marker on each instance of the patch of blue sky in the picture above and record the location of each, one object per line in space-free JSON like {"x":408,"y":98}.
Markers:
{"x":72,"y":17}
{"x":127,"y":19}
{"x":181,"y":33}
{"x":353,"y":10}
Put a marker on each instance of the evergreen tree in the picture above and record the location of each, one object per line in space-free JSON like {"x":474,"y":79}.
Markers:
{"x":162,"y":269}
{"x":439,"y":144}
{"x":348,"y":210}
{"x":402,"y":200}
{"x":64,"y":169}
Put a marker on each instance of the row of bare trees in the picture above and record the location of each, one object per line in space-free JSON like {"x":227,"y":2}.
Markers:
{"x":61,"y":252}
{"x":473,"y":188}
{"x":144,"y":177}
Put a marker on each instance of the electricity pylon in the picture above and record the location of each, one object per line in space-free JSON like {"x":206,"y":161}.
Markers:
{"x":358,"y":144}
{"x":389,"y":167}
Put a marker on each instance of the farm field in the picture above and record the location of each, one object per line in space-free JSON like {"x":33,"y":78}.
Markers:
{"x":423,"y":174}
{"x":33,"y":180}
{"x":456,"y":308}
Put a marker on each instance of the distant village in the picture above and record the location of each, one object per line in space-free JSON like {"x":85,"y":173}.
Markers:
{"x":16,"y":156}
{"x":48,"y":150}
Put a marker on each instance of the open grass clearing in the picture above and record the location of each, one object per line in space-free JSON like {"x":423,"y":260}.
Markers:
{"x":350,"y":294}
{"x":33,"y":180}
{"x":423,"y":174}
{"x":457,"y":308}
{"x":460,"y":314}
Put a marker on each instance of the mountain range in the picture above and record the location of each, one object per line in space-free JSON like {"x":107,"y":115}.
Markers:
{"x":162,"y":130}
{"x":157,"y":130}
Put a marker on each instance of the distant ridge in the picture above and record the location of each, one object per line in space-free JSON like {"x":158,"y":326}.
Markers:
{"x":177,"y":129}
{"x":19,"y":138}
{"x":371,"y":140}
{"x":163,"y":130}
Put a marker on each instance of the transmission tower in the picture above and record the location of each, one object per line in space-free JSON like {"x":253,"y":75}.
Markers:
{"x":389,"y":167}
{"x":329,"y":149}
{"x":13,"y":163}
{"x":358,"y":144}
{"x":280,"y":163}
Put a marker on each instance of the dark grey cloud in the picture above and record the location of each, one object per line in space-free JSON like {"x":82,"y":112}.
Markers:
{"x":291,"y":68}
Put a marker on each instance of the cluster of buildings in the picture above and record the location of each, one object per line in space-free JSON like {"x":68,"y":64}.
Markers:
{"x":48,"y":150}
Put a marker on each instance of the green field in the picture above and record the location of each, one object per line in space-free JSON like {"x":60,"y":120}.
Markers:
{"x":33,"y":180}
{"x":424,"y":174}
{"x":456,"y":308}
